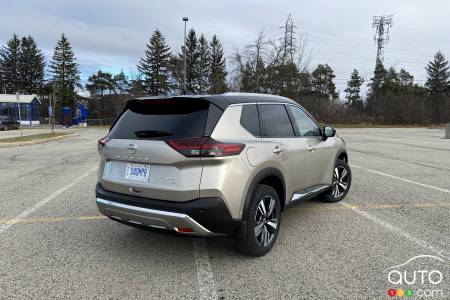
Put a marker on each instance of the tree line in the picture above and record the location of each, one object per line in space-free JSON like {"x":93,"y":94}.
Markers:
{"x":23,"y":69}
{"x":262,"y":66}
{"x":277,"y":67}
{"x":162,"y":70}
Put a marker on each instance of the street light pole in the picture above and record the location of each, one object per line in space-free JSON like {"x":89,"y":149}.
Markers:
{"x":185,"y":19}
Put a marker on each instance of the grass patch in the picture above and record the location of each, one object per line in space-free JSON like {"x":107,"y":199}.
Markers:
{"x":33,"y":137}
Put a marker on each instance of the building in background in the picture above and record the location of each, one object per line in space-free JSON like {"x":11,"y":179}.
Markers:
{"x":29,"y":108}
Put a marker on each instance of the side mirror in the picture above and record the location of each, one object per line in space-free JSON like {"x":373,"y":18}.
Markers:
{"x":327,"y":132}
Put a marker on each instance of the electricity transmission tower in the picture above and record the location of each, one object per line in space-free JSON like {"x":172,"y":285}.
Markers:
{"x":381,"y":25}
{"x":288,"y":40}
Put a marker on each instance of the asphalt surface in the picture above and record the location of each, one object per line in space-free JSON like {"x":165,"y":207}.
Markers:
{"x":55,"y":244}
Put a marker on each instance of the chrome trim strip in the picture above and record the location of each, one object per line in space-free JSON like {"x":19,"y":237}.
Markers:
{"x":300,"y":195}
{"x":134,"y":214}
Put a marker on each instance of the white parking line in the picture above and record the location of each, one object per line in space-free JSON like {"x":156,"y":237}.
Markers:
{"x":403,"y":179}
{"x":205,"y":276}
{"x":441,"y":252}
{"x":44,"y":201}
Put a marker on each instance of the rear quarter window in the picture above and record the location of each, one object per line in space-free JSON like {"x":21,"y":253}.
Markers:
{"x":250,"y":119}
{"x":166,"y":119}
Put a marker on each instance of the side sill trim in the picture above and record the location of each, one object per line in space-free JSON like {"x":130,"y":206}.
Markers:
{"x":308,"y":192}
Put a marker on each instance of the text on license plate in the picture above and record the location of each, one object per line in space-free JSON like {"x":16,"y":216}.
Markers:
{"x":138,"y":172}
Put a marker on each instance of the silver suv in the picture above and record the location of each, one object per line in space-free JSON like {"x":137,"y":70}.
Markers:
{"x":217,"y":165}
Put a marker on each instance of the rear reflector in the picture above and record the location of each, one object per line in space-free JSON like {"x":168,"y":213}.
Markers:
{"x":184,"y":229}
{"x":205,"y":147}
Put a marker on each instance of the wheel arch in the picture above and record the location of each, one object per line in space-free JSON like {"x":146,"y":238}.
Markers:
{"x":269,"y":176}
{"x":342,"y":154}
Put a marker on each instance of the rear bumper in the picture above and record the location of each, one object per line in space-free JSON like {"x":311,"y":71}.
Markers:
{"x":150,"y":217}
{"x":205,"y":216}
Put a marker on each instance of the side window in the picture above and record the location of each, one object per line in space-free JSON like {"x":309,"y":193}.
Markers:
{"x":250,"y":119}
{"x":305,"y":126}
{"x":274,"y":121}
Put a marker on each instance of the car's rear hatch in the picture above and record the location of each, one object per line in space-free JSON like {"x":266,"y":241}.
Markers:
{"x":137,"y":160}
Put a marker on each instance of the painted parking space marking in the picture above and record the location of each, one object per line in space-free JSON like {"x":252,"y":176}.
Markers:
{"x":425,"y":244}
{"x":404,"y":179}
{"x":42,"y":202}
{"x":205,"y":276}
{"x":54,"y":219}
{"x":332,"y":207}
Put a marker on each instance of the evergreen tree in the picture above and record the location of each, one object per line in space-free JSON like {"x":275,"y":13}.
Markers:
{"x":218,"y":71}
{"x":192,"y":60}
{"x":31,"y":66}
{"x":322,"y":81}
{"x":391,"y":82}
{"x":405,"y":79}
{"x":176,"y":71}
{"x":9,"y":66}
{"x":353,"y":89}
{"x":438,"y":81}
{"x":202,"y":68}
{"x":154,"y":67}
{"x":64,"y":71}
{"x":136,"y":88}
{"x":438,"y":86}
{"x":378,"y":78}
{"x":248,"y":79}
{"x":121,"y":82}
{"x":283,"y":79}
{"x":98,"y":85}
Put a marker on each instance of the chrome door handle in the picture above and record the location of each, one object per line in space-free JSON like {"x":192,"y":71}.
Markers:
{"x":277,"y":150}
{"x":311,"y":148}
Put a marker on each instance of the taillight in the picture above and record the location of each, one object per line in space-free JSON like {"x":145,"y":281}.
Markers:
{"x":102,"y":142}
{"x":205,"y":147}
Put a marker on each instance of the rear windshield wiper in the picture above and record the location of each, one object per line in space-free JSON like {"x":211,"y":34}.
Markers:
{"x":152,"y":133}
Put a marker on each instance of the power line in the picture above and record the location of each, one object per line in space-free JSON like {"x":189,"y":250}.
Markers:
{"x":365,"y":46}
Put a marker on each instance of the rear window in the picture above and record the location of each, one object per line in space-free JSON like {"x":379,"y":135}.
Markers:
{"x":166,"y":119}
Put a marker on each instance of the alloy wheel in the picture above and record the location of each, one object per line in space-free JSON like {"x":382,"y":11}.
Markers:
{"x":340,"y":182}
{"x":266,"y":223}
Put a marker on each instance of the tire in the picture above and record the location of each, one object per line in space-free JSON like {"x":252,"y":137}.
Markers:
{"x":342,"y":180}
{"x":264,"y":198}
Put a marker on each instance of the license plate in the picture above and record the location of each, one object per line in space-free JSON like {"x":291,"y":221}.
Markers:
{"x":137,"y":172}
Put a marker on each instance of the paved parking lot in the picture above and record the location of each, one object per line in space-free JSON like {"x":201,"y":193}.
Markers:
{"x":54,"y":243}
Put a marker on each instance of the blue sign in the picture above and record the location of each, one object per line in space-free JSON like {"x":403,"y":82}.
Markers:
{"x":50,"y":111}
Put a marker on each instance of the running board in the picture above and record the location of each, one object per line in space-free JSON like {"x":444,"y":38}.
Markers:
{"x":309,"y":192}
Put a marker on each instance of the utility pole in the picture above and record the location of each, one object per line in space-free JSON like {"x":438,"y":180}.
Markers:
{"x":288,"y":40}
{"x":185,"y":19}
{"x":381,"y":25}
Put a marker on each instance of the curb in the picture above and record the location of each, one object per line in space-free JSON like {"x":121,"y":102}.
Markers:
{"x":13,"y":144}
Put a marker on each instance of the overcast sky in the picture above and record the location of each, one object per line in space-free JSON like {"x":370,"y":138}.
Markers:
{"x":111,"y":35}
